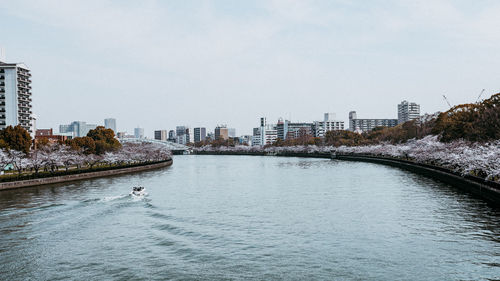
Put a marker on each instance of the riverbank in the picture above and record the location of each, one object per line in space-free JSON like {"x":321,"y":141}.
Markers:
{"x":81,"y":175}
{"x":488,"y":190}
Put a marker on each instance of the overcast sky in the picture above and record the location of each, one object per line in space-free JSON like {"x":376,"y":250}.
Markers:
{"x":158,"y":64}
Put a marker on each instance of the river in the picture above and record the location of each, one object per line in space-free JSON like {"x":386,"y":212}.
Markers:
{"x":250,"y":217}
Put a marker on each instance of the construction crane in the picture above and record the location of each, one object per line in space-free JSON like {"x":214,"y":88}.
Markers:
{"x":480,"y":95}
{"x":448,"y":102}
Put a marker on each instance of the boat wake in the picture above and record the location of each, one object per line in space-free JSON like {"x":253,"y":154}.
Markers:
{"x":112,"y":198}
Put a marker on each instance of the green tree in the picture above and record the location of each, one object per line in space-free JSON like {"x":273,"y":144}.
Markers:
{"x":16,"y":138}
{"x":85,"y":144}
{"x":104,"y":140}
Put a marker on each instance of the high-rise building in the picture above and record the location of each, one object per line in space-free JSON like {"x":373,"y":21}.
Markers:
{"x":139,"y":133}
{"x":171,"y":135}
{"x":15,"y":96}
{"x":366,"y":125}
{"x":161,"y":135}
{"x":183,"y":134}
{"x":180,"y":130}
{"x":408,"y":111}
{"x":221,"y":132}
{"x":184,"y":138}
{"x":77,"y":128}
{"x":110,"y":123}
{"x":200,"y":134}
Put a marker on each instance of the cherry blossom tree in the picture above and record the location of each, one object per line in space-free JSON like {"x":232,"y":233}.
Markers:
{"x":4,"y":159}
{"x":35,"y":160}
{"x":18,"y":160}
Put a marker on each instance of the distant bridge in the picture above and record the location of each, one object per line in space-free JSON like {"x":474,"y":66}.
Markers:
{"x":174,"y":147}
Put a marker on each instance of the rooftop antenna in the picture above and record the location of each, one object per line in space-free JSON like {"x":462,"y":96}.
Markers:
{"x":447,"y":101}
{"x":480,"y":95}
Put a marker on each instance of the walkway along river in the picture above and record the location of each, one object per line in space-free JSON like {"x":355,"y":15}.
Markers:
{"x":250,"y":217}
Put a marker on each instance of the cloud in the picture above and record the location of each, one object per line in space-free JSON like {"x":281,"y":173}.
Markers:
{"x":263,"y":56}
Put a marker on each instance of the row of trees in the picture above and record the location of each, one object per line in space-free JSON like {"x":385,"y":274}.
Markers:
{"x":473,"y":122}
{"x":52,"y":157}
{"x":98,"y":148}
{"x":98,"y":141}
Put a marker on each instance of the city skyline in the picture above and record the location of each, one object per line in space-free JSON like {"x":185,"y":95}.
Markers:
{"x":276,"y":59}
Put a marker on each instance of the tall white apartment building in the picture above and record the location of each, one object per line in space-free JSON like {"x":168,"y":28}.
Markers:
{"x":408,"y":111}
{"x":15,"y":96}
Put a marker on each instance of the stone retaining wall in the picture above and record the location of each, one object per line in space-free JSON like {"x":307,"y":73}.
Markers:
{"x":81,"y":176}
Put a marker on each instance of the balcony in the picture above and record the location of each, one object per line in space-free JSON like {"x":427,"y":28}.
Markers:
{"x":24,"y":105}
{"x":24,"y":111}
{"x":2,"y":77}
{"x":25,"y":100}
{"x":23,"y":80}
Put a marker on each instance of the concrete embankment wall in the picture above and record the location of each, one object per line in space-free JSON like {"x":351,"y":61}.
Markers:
{"x":486,"y":189}
{"x":82,"y":176}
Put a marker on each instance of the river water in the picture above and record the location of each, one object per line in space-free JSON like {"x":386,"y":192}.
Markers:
{"x":244,"y":217}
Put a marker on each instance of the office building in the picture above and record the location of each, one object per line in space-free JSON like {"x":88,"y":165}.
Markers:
{"x":366,"y":125}
{"x":200,"y":134}
{"x":182,"y":134}
{"x":15,"y":96}
{"x":180,"y":130}
{"x":221,"y":132}
{"x":408,"y":111}
{"x":183,"y":139}
{"x":288,"y":130}
{"x":139,"y":133}
{"x":77,"y":128}
{"x":161,"y":135}
{"x":110,"y":123}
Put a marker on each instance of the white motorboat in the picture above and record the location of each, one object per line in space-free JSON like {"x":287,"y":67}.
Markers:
{"x":138,"y":191}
